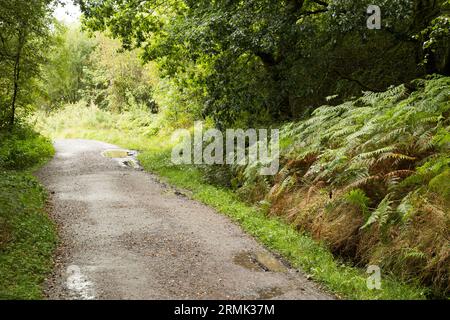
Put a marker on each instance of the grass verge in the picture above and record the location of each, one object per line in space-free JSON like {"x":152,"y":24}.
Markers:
{"x":27,"y":235}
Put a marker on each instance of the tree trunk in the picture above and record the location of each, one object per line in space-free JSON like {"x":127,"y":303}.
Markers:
{"x":20,"y":45}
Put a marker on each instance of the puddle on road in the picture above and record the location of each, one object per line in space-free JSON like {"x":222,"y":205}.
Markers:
{"x":248,"y":261}
{"x":116,"y":154}
{"x":125,"y":158}
{"x":259,"y":261}
{"x":270,"y":262}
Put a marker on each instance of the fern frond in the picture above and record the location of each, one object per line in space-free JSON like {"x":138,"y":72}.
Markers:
{"x":376,"y":153}
{"x":358,"y":198}
{"x":399,"y":173}
{"x":362,"y":182}
{"x":395,"y":156}
{"x":381,"y":214}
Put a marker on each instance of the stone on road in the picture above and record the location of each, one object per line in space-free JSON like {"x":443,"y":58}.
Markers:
{"x":124,"y":235}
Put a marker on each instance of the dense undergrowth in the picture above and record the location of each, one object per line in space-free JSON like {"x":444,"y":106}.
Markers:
{"x":27,"y":236}
{"x":367,"y":179}
{"x":370,"y":178}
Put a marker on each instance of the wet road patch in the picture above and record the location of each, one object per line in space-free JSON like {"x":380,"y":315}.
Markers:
{"x":125,"y":158}
{"x":259,"y":261}
{"x":116,"y":154}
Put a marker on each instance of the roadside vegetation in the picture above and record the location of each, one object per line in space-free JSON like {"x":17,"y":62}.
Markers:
{"x":27,"y":235}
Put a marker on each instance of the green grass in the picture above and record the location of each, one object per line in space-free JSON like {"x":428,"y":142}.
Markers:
{"x":27,"y":235}
{"x":299,"y":249}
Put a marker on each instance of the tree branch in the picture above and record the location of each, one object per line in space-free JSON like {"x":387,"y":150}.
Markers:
{"x":320,"y":2}
{"x":362,"y":85}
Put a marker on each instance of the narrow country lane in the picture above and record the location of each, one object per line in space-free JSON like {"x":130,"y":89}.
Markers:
{"x":124,"y":235}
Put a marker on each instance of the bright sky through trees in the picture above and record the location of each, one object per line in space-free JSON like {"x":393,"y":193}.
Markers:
{"x":68,"y":13}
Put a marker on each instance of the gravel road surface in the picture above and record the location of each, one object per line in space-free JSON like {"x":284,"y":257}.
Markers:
{"x":125,"y":235}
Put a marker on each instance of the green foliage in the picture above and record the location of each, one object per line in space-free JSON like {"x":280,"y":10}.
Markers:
{"x":387,"y":155}
{"x":358,"y":198}
{"x":27,"y":237}
{"x":406,"y":208}
{"x":381,"y":214}
{"x":23,"y":149}
{"x":180,"y":99}
{"x":441,"y":184}
{"x":24,"y":33}
{"x":116,"y":80}
{"x":64,"y":76}
{"x":79,"y":119}
{"x":98,"y":71}
{"x":260,"y":61}
{"x":435,"y":38}
{"x":375,"y":141}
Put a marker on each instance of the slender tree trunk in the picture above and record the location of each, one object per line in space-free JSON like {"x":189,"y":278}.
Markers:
{"x":14,"y":98}
{"x":21,"y":42}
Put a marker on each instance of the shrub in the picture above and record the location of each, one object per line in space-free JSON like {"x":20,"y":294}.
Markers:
{"x":23,"y":149}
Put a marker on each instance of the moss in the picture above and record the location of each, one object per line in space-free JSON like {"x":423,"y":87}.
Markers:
{"x":441,"y":185}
